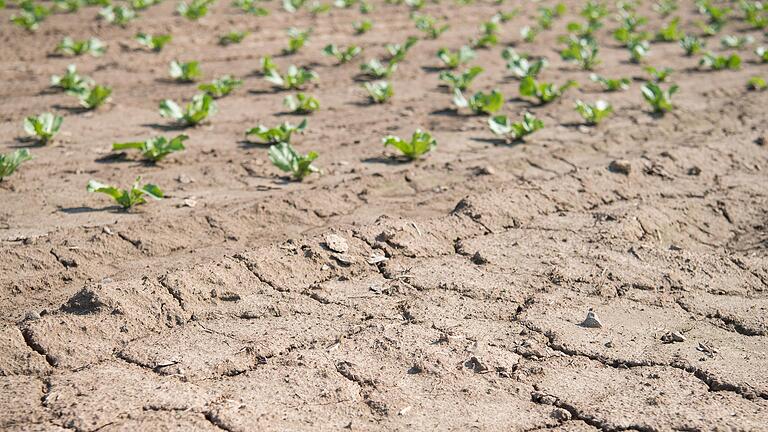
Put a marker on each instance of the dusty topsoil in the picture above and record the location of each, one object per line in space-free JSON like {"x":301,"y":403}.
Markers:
{"x":234,"y":314}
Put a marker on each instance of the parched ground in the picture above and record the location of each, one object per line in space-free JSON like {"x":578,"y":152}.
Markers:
{"x":236,"y":315}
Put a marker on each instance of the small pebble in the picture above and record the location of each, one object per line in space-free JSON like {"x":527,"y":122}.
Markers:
{"x":621,"y":166}
{"x":336,"y":243}
{"x":591,"y":321}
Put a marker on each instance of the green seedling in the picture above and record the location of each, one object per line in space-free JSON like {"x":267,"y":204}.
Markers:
{"x":194,"y":10}
{"x":665,"y":7}
{"x":283,"y":156}
{"x":659,"y":75}
{"x":250,"y":7}
{"x":593,"y":113}
{"x":71,"y":47}
{"x":143,"y":4}
{"x":717,"y":62}
{"x":200,"y":108}
{"x":480,"y":103}
{"x":43,"y":127}
{"x":301,"y":103}
{"x":379,"y":91}
{"x":66,"y":6}
{"x":94,"y":97}
{"x":376,"y":69}
{"x":127,"y":198}
{"x":736,"y":42}
{"x":344,"y":4}
{"x":317,"y":8}
{"x":429,"y":26}
{"x":296,"y":40}
{"x":117,"y":15}
{"x":154,"y":149}
{"x":762,"y":53}
{"x":692,"y":45}
{"x":233,"y":37}
{"x":278,"y":134}
{"x":31,"y":16}
{"x":529,"y":34}
{"x":343,"y":55}
{"x":293,"y":79}
{"x":292,"y":6}
{"x":185,"y":72}
{"x":502,"y":17}
{"x":365,"y":8}
{"x":397,"y":52}
{"x":610,"y":84}
{"x":583,"y":31}
{"x":670,"y":32}
{"x":547,"y":15}
{"x":420,"y":144}
{"x":521,"y":65}
{"x":594,"y":11}
{"x":544,"y":92}
{"x":460,"y":81}
{"x":757,"y":83}
{"x":362,"y":27}
{"x":221,"y":87}
{"x":153,"y":42}
{"x":453,"y":60}
{"x":71,"y":82}
{"x":659,"y":99}
{"x":415,"y":4}
{"x":488,"y":35}
{"x":638,"y":50}
{"x":502,"y":126}
{"x":755,"y":14}
{"x":11,"y":161}
{"x":582,"y":52}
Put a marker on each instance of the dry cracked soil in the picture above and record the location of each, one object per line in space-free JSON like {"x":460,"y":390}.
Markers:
{"x":444,"y":294}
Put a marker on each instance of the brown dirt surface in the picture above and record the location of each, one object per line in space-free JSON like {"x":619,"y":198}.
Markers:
{"x":235,"y":314}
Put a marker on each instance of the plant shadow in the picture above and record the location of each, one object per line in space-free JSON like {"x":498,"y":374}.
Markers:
{"x":86,"y":209}
{"x":387,"y":160}
{"x":166,"y":127}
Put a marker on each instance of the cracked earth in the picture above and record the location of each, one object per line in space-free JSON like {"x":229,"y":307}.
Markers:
{"x":459,"y":302}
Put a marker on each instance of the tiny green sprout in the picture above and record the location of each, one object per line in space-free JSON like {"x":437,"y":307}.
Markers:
{"x":397,"y":52}
{"x":268,"y":66}
{"x":362,"y":27}
{"x":460,"y":81}
{"x":221,"y":87}
{"x":71,"y":82}
{"x":420,"y":144}
{"x":233,"y":37}
{"x":31,"y":16}
{"x":583,"y":31}
{"x":762,"y":53}
{"x":453,"y":60}
{"x":71,"y":47}
{"x":665,"y":7}
{"x":153,"y":42}
{"x":117,"y":15}
{"x":502,"y":126}
{"x":480,"y":103}
{"x":296,"y":40}
{"x":716,"y":62}
{"x":365,"y":8}
{"x":757,"y":83}
{"x":284,"y":157}
{"x":292,"y":6}
{"x":376,"y":69}
{"x":638,"y":50}
{"x":127,"y":198}
{"x":344,"y":4}
{"x":755,"y":14}
{"x":593,"y":113}
{"x":11,"y":161}
{"x":670,"y":32}
{"x":343,"y":55}
{"x":737,"y":42}
{"x":529,"y":33}
{"x":200,"y":108}
{"x":582,"y":52}
{"x":278,"y":134}
{"x":43,"y":127}
{"x":250,"y":7}
{"x":379,"y":91}
{"x":143,"y":4}
{"x":521,"y":65}
{"x":488,"y":35}
{"x":611,"y":84}
{"x":293,"y":79}
{"x":544,"y":92}
{"x":185,"y":72}
{"x":548,"y":15}
{"x":415,"y":4}
{"x":194,"y":10}
{"x":154,"y":149}
{"x":95,"y":97}
{"x":502,"y":17}
{"x":429,"y":25}
{"x":301,"y":103}
{"x":594,"y":11}
{"x":659,"y":75}
{"x":692,"y":45}
{"x":659,"y":99}
{"x":317,"y":8}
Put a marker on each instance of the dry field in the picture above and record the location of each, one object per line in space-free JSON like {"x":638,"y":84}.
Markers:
{"x":446,"y":293}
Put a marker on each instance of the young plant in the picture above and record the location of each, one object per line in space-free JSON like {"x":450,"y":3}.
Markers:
{"x":593,"y":113}
{"x":529,"y":33}
{"x":301,"y":103}
{"x":200,"y":108}
{"x":185,"y":72}
{"x":153,"y":42}
{"x":117,"y":15}
{"x":548,"y":15}
{"x":659,"y":75}
{"x":521,"y":66}
{"x":127,"y":198}
{"x":296,"y":40}
{"x":292,"y":6}
{"x":278,"y":134}
{"x":544,"y":92}
{"x":43,"y":127}
{"x":154,"y":149}
{"x":362,"y":27}
{"x":397,"y":52}
{"x":94,"y":97}
{"x":659,"y":99}
{"x":376,"y":69}
{"x":453,"y":60}
{"x":736,"y":42}
{"x":488,"y":35}
{"x":71,"y":82}
{"x":460,"y":81}
{"x":221,"y":87}
{"x":716,"y":62}
{"x":343,"y":55}
{"x":502,"y":126}
{"x":429,"y":26}
{"x":665,"y":7}
{"x":250,"y":7}
{"x":762,"y":53}
{"x":283,"y":156}
{"x":670,"y":32}
{"x":379,"y":91}
{"x":71,"y":47}
{"x":757,"y":83}
{"x":755,"y":14}
{"x":480,"y":103}
{"x":692,"y":45}
{"x":317,"y":8}
{"x":421,"y":143}
{"x":233,"y":37}
{"x":194,"y":10}
{"x":610,"y":84}
{"x":11,"y":161}
{"x":293,"y":79}
{"x":582,"y":52}
{"x":31,"y":16}
{"x":638,"y":50}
